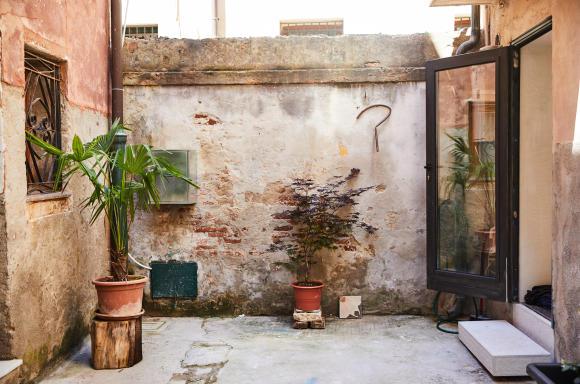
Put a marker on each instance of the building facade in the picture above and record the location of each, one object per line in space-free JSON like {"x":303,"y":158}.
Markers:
{"x":54,"y":80}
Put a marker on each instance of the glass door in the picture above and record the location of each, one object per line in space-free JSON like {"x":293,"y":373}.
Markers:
{"x":468,"y":189}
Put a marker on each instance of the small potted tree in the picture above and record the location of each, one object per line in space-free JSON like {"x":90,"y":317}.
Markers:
{"x":123,"y":179}
{"x":321,"y":217}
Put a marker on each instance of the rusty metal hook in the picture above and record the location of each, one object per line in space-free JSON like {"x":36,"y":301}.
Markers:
{"x":380,"y":122}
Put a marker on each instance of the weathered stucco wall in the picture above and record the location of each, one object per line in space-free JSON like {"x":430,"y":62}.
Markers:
{"x":510,"y":21}
{"x":252,"y":139}
{"x":515,"y":17}
{"x":566,"y":219}
{"x":50,"y":254}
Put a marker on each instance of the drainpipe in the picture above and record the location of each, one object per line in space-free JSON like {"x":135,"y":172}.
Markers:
{"x":117,"y":95}
{"x":116,"y":73}
{"x":475,"y":32}
{"x":117,"y":77}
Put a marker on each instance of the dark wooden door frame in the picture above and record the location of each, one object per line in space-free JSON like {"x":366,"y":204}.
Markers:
{"x":458,"y":282}
{"x":516,"y":45}
{"x":507,"y":87}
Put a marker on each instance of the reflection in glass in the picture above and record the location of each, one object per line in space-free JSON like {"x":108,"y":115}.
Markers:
{"x":466,"y":169}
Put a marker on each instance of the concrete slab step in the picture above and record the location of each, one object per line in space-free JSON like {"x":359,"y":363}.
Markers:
{"x":500,"y":347}
{"x":534,"y":325}
{"x":9,"y":371}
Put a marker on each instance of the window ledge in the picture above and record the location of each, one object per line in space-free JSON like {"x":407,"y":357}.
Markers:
{"x":48,"y":196}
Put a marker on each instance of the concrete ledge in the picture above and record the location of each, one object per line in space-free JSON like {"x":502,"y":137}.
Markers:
{"x":303,"y":76}
{"x":537,"y":327}
{"x":48,"y":196}
{"x":275,"y":53}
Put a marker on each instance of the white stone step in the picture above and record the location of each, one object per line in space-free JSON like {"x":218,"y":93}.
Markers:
{"x":8,"y":366}
{"x":534,"y":325}
{"x":500,"y":347}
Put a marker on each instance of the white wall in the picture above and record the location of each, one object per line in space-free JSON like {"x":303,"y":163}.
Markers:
{"x":535,"y":164}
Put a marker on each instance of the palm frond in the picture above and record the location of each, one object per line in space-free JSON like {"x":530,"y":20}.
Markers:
{"x":96,"y":160}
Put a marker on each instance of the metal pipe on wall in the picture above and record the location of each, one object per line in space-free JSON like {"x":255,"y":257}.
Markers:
{"x":116,"y":50}
{"x":475,"y":32}
{"x":117,"y":76}
{"x":117,"y":101}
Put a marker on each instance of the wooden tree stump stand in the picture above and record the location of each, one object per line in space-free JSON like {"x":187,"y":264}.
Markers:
{"x":305,"y":319}
{"x":116,"y":343}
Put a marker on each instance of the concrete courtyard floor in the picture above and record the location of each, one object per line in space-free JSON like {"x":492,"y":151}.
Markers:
{"x":375,"y":349}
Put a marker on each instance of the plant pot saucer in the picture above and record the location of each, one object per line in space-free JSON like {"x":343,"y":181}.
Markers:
{"x":102,"y":316}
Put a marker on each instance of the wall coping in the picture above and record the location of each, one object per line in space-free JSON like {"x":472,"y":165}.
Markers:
{"x":256,"y":77}
{"x":277,"y":60}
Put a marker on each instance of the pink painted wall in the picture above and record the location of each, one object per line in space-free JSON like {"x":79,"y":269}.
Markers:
{"x":566,"y":67}
{"x":48,"y":252}
{"x":73,"y":31}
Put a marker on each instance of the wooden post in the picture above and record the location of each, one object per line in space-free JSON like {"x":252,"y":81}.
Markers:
{"x":116,"y":343}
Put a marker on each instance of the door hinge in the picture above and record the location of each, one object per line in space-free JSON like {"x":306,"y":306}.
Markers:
{"x":515,"y":215}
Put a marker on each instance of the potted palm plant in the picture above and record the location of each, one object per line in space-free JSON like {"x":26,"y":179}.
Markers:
{"x":320,"y":217}
{"x":123,"y":179}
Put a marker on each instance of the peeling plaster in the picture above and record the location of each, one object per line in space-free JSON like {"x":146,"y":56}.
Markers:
{"x":243,"y":164}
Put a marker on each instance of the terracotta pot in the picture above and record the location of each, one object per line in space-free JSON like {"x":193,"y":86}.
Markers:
{"x":120,"y":298}
{"x":307,"y":298}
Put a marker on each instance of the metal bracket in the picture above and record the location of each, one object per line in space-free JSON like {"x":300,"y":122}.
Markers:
{"x":389,"y":110}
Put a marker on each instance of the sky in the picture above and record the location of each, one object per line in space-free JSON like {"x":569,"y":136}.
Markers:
{"x":245,"y":18}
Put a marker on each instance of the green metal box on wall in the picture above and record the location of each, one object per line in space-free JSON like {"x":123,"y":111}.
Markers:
{"x":173,"y":279}
{"x":171,"y":189}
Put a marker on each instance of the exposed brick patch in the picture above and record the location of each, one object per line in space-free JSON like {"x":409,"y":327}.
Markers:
{"x":283,"y":228}
{"x":278,"y":237}
{"x":206,"y":253}
{"x":230,"y":253}
{"x":287,"y":199}
{"x":216,"y":234}
{"x":211,"y":229}
{"x":204,"y":246}
{"x":230,"y":240}
{"x":206,"y":119}
{"x":281,"y":216}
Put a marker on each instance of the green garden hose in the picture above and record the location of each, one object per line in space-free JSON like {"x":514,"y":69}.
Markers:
{"x":451,"y":318}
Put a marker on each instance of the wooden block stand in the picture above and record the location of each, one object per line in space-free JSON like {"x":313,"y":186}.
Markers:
{"x":305,"y":319}
{"x":116,"y":343}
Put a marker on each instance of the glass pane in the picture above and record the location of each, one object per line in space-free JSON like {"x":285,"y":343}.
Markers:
{"x":466,"y":174}
{"x":171,"y":189}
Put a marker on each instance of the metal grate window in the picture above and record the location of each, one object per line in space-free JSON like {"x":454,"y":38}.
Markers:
{"x":43,"y":119}
{"x":141,"y":31}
